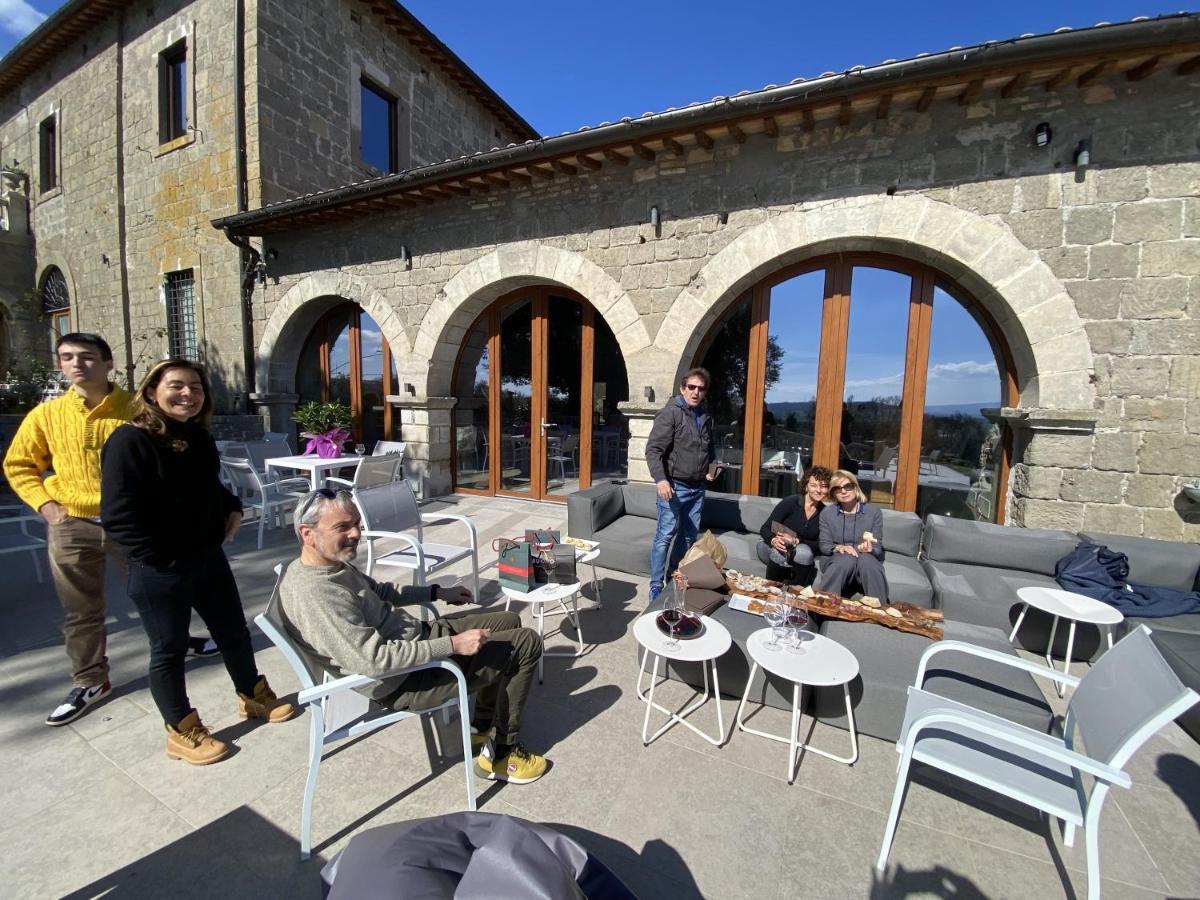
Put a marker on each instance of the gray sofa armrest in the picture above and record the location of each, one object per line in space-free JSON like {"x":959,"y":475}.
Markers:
{"x":594,"y":508}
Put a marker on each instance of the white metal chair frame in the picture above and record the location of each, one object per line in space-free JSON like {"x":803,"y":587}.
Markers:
{"x":371,"y":471}
{"x":242,"y":474}
{"x":321,"y":696}
{"x":418,"y":561}
{"x":32,"y":543}
{"x":948,"y":722}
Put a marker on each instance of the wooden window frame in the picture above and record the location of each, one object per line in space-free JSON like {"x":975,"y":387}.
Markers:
{"x":366,"y":83}
{"x":356,"y":393}
{"x":831,"y":367}
{"x":173,"y":119}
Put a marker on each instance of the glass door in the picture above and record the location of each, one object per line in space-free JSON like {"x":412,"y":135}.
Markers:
{"x":516,"y":398}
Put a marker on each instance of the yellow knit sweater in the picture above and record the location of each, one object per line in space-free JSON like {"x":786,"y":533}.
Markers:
{"x":65,"y":436}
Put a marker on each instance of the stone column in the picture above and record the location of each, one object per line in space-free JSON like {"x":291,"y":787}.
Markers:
{"x":1045,"y":441}
{"x":640,"y":415}
{"x":429,"y":445}
{"x":276,"y":410}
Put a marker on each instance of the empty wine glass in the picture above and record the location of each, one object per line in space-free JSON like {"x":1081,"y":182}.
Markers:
{"x":776,"y":618}
{"x":797,"y":620}
{"x":360,"y":449}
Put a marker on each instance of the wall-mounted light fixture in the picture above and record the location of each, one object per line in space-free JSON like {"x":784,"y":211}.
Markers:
{"x":410,"y":389}
{"x":655,"y":219}
{"x":405,"y":256}
{"x":1083,"y":153}
{"x":105,"y":260}
{"x":1042,"y":135}
{"x":648,"y":393}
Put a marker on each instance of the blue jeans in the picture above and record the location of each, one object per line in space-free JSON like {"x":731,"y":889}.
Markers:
{"x":678,"y":526}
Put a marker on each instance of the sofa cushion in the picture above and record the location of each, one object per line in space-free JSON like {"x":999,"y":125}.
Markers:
{"x":901,"y":532}
{"x":1163,"y":563}
{"x":640,"y":500}
{"x":906,"y":579}
{"x":983,"y":544}
{"x":721,"y":512}
{"x":743,"y":551}
{"x":591,"y":509}
{"x":755,"y":511}
{"x":625,"y":545}
{"x":984,"y":595}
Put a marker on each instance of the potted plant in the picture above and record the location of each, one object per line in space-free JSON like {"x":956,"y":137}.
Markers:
{"x":13,"y":175}
{"x":326,"y":425}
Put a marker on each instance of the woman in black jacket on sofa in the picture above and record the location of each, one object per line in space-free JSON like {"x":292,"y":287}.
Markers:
{"x":789,"y":557}
{"x":162,"y":501}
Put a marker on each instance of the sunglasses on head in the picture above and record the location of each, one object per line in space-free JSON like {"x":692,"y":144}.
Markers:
{"x":326,"y":493}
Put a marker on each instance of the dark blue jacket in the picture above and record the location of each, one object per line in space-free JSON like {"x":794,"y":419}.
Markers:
{"x":1095,"y":571}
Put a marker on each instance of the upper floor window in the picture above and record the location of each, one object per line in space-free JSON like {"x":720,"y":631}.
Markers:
{"x":182,"y":340}
{"x":377,"y":136}
{"x":172,"y":93}
{"x":56,"y":302}
{"x":48,"y":154}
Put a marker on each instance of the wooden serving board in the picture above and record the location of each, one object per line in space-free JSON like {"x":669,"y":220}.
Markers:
{"x":911,"y":619}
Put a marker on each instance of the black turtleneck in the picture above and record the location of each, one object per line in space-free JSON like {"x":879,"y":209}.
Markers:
{"x":161,"y":498}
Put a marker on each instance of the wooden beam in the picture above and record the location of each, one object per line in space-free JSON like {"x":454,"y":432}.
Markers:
{"x":540,"y":172}
{"x":1143,"y":69}
{"x":673,"y":145}
{"x":496,"y":178}
{"x":564,"y":167}
{"x":970,"y":92}
{"x":478,"y":186}
{"x":437,"y":191}
{"x":736,"y":133}
{"x":809,"y":122}
{"x":417,"y":197}
{"x":770,"y":127}
{"x":884,"y":108}
{"x":1188,"y":66}
{"x":588,"y":163}
{"x":613,"y":156}
{"x":1015,"y":86}
{"x":455,"y":187}
{"x":704,"y":139}
{"x":843,"y":116}
{"x":519,"y":176}
{"x":925,"y":99}
{"x":643,"y":151}
{"x":1093,"y":73}
{"x":1054,"y":82}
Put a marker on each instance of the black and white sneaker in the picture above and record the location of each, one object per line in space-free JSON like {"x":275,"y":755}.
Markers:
{"x":202,"y":646}
{"x":77,"y":703}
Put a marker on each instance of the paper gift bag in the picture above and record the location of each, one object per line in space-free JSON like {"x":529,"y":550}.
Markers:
{"x":515,"y":562}
{"x":542,"y":536}
{"x":556,"y":567}
{"x":706,"y":545}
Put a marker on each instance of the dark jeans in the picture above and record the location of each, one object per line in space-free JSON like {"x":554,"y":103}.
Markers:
{"x":165,"y":599}
{"x":502,"y":672}
{"x":676,"y":530}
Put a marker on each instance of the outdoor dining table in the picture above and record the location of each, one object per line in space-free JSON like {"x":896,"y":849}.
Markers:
{"x":317,"y":467}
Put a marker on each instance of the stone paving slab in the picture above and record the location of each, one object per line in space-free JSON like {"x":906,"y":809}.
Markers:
{"x":96,"y":807}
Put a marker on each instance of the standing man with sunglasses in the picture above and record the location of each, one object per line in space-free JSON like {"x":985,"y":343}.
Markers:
{"x":679,"y":452}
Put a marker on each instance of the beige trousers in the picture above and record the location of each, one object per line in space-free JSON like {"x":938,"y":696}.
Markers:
{"x":78,"y":549}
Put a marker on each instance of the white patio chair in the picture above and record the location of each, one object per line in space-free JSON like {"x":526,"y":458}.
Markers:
{"x":385,"y":447}
{"x":266,"y":498}
{"x":258,"y":452}
{"x":15,"y":536}
{"x":389,"y":510}
{"x":371,"y":471}
{"x":277,"y":437}
{"x":564,"y":454}
{"x":338,"y":711}
{"x":1127,"y":696}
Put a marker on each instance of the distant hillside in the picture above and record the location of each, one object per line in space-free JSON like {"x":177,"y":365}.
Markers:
{"x":803,"y":409}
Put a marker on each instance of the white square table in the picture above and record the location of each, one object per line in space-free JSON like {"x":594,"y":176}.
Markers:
{"x":317,"y":467}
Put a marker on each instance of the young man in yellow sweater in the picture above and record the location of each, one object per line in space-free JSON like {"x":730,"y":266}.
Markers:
{"x":64,"y":436}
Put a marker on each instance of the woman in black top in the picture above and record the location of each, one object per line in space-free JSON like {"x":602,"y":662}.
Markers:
{"x":851,"y":541}
{"x":161,"y":499}
{"x":788,"y":558}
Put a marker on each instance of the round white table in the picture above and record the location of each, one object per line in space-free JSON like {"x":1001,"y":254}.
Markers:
{"x":588,"y":557}
{"x":823,"y":663}
{"x":713,"y":642}
{"x":1067,"y":605}
{"x":539,"y":597}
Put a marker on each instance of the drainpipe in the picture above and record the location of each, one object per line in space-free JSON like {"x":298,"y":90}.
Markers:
{"x":248,"y":257}
{"x":122,"y":256}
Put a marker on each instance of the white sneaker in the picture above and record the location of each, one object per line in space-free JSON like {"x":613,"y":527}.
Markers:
{"x":77,"y":703}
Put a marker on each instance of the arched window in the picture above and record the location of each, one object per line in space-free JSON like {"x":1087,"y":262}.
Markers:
{"x":346,"y":358}
{"x":56,"y":303}
{"x":869,"y":363}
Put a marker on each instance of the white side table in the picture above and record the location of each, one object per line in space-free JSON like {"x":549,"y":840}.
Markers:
{"x":588,"y":557}
{"x":539,"y":597}
{"x":712,"y":643}
{"x":1067,"y":605}
{"x":823,"y":663}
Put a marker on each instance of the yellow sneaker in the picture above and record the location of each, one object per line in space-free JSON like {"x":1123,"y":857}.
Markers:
{"x":517,"y":766}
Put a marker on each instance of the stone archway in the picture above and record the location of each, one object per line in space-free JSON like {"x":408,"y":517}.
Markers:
{"x":1050,"y":348}
{"x":479,"y":283}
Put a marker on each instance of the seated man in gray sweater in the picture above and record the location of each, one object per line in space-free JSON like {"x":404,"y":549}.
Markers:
{"x":355,"y":625}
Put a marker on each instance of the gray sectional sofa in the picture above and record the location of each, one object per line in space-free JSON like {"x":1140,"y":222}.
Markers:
{"x":970,"y":570}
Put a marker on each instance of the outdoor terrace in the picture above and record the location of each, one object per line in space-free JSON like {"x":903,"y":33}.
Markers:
{"x":97,"y":808}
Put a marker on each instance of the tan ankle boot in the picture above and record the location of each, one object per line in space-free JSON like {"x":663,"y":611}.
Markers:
{"x":264,"y":704}
{"x":192,"y":743}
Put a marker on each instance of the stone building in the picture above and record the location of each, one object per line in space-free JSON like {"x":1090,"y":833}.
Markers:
{"x":973,"y":276}
{"x":139,"y":122}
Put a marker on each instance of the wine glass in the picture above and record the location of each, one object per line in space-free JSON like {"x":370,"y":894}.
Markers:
{"x":360,"y":449}
{"x":797,"y":619}
{"x":776,"y":617}
{"x":672,"y":614}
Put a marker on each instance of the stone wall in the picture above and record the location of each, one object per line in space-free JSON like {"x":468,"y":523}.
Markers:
{"x":309,"y":58}
{"x":21,"y":331}
{"x":1090,"y":272}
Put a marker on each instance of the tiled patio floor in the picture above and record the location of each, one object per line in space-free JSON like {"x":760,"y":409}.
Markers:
{"x":97,"y":808}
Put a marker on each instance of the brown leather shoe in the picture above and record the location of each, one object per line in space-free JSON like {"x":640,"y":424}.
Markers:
{"x":264,"y":704}
{"x":191,"y":742}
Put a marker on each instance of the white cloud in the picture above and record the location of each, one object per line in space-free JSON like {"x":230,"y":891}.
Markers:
{"x":966,"y":369}
{"x":18,"y":18}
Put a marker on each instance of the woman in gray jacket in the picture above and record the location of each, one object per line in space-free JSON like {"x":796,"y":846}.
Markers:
{"x":851,"y":540}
